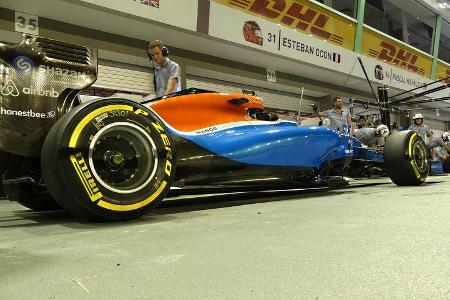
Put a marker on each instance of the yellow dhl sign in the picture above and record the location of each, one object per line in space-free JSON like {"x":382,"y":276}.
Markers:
{"x":301,"y":15}
{"x":379,"y":47}
{"x":443,"y":71}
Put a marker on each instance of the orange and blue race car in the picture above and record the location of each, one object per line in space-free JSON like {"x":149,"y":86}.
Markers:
{"x":115,"y":158}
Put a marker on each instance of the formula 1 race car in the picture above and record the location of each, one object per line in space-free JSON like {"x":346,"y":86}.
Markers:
{"x":115,"y":158}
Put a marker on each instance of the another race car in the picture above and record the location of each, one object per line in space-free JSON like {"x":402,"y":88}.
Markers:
{"x":115,"y":158}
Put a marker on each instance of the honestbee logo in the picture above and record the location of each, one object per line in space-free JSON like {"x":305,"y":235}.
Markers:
{"x":23,"y":65}
{"x":292,"y":14}
{"x":397,"y":56}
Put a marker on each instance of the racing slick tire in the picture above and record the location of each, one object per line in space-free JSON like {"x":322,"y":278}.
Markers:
{"x":406,"y":158}
{"x":108,"y":159}
{"x":446,"y":165}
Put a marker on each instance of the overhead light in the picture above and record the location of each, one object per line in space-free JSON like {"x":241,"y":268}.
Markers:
{"x":444,"y":5}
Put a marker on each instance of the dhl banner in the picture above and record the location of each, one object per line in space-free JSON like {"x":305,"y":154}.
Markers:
{"x":247,"y":29}
{"x":443,"y":71}
{"x":396,"y":54}
{"x":300,"y":15}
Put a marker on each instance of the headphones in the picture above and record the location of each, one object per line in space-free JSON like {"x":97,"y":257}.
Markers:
{"x":164,"y":49}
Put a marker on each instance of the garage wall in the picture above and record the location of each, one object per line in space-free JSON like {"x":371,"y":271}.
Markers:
{"x":125,"y":78}
{"x":272,"y":98}
{"x":435,"y":125}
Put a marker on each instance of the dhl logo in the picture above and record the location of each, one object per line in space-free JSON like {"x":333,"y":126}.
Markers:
{"x":447,"y":74}
{"x":293,"y":15}
{"x":397,"y":56}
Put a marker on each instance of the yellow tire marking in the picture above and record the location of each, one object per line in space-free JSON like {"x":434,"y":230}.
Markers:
{"x":76,"y":133}
{"x":135,"y":206}
{"x":75,"y":166}
{"x":413,"y":163}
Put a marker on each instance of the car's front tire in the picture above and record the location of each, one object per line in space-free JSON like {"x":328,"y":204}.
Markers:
{"x":406,"y":158}
{"x":109,"y":159}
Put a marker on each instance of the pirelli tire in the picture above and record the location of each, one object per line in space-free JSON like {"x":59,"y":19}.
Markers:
{"x":406,"y":158}
{"x":109,"y":159}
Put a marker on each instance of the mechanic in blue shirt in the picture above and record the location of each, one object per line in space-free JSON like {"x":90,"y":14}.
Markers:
{"x":167,"y":77}
{"x":370,"y":136}
{"x":337,"y":115}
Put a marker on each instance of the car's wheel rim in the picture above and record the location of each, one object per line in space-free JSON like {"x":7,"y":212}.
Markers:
{"x":123,"y":158}
{"x":420,"y":157}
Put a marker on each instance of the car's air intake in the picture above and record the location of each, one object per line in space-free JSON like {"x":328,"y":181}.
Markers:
{"x":63,"y":51}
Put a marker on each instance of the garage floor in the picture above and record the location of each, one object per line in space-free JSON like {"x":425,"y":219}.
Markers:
{"x":367,"y":242}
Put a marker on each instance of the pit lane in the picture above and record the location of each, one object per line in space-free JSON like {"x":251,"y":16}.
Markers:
{"x":370,"y":239}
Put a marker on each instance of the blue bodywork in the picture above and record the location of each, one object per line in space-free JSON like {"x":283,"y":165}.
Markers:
{"x":281,"y":144}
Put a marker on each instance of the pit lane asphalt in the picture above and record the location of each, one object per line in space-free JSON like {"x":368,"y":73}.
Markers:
{"x":368,"y":242}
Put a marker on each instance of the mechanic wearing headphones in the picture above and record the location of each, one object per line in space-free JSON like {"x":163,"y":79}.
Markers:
{"x":166,"y":72}
{"x":422,"y":130}
{"x":439,"y":142}
{"x":337,"y":115}
{"x":369,"y":136}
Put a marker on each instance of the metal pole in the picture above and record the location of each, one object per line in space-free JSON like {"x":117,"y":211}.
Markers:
{"x":359,"y":25}
{"x":300,"y":106}
{"x":384,"y":111}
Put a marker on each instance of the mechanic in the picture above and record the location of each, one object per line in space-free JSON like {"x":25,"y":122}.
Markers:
{"x":395,"y":127}
{"x":422,"y":130}
{"x":337,"y":115}
{"x":440,"y":142}
{"x":167,"y":79}
{"x":370,"y":136}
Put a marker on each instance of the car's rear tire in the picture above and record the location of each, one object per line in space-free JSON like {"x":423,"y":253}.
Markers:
{"x":108,"y":159}
{"x":406,"y":158}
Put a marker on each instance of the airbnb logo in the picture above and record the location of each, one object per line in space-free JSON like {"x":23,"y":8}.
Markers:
{"x":293,"y":15}
{"x":397,"y":56}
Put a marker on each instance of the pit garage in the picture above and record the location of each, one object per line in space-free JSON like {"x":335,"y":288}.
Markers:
{"x":243,"y":150}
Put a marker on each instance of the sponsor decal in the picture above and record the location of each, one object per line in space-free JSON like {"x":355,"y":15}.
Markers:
{"x":400,"y":57}
{"x":394,"y":53}
{"x":379,"y":72}
{"x":86,"y":177}
{"x":27,"y":113}
{"x":252,"y":33}
{"x":61,"y":72}
{"x":300,"y":15}
{"x":23,"y":65}
{"x":9,"y":89}
{"x":40,"y":92}
{"x":443,"y":71}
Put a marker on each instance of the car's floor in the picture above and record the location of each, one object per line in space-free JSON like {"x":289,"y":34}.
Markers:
{"x":372,"y":241}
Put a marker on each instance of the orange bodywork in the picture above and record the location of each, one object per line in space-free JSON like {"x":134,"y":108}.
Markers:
{"x":195,"y":111}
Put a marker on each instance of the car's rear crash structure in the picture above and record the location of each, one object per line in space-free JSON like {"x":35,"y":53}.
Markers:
{"x":116,"y":159}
